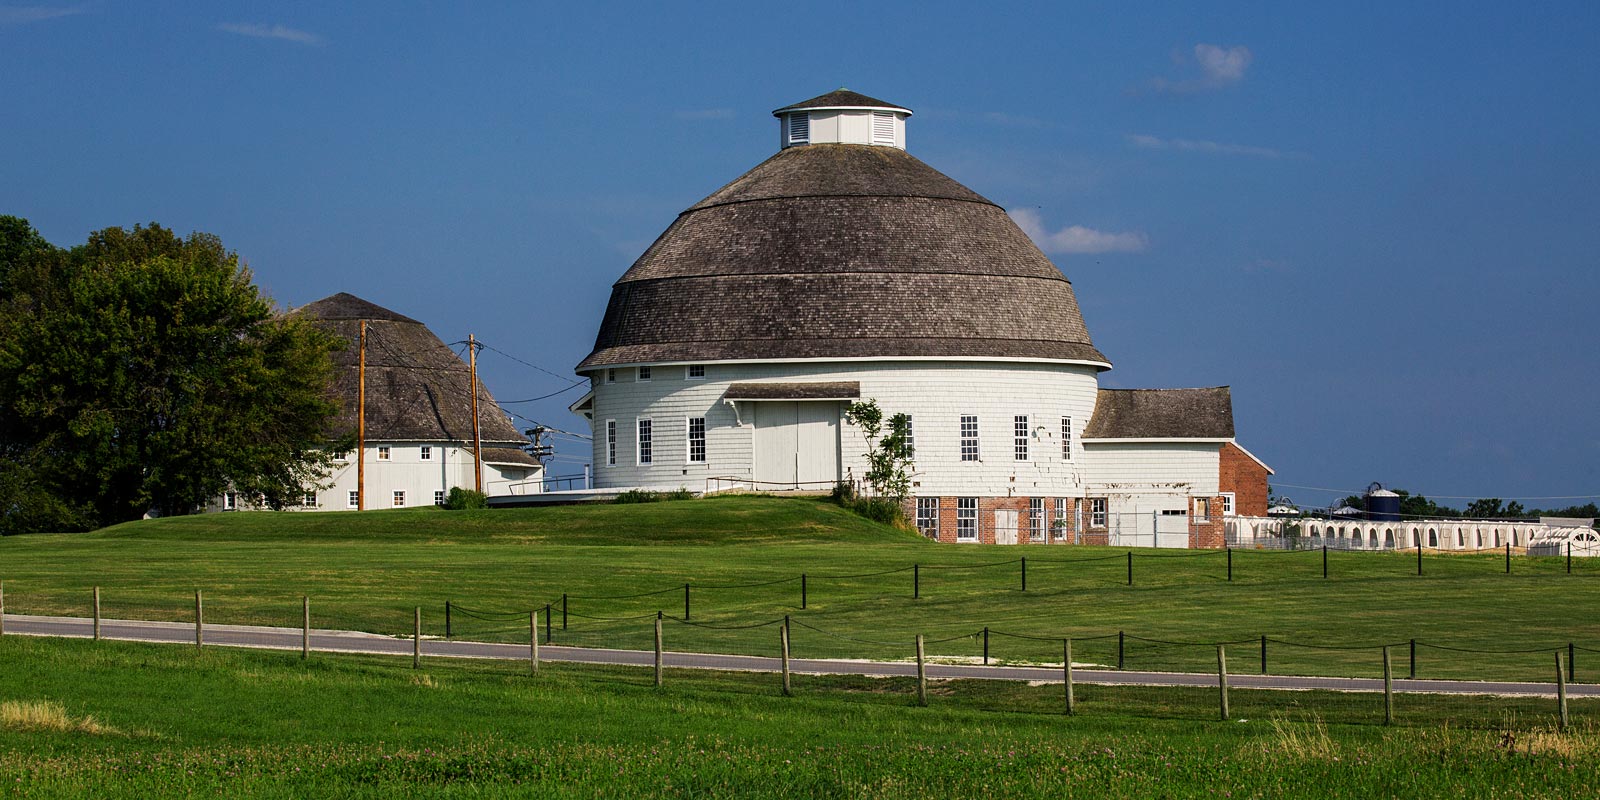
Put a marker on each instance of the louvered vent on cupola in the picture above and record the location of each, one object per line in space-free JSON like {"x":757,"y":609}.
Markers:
{"x":799,"y":128}
{"x":883,"y":127}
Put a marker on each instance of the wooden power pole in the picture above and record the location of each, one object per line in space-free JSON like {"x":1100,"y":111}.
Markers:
{"x":477,"y":441}
{"x":361,"y":424}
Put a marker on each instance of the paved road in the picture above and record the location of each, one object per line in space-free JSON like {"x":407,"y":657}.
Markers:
{"x":334,"y":641}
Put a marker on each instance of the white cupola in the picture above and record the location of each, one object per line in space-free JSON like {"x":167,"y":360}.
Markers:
{"x":842,"y":117}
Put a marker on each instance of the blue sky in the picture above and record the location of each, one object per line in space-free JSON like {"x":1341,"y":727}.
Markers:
{"x":1376,"y":221}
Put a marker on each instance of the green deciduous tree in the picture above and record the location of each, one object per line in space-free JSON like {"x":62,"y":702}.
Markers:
{"x":888,"y":454}
{"x":144,"y":371}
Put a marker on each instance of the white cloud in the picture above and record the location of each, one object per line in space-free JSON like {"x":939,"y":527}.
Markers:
{"x":1219,"y":67}
{"x":260,"y":31}
{"x":1149,"y":142}
{"x":1222,"y":65}
{"x":18,"y":15}
{"x":1076,"y":238}
{"x":704,"y":113}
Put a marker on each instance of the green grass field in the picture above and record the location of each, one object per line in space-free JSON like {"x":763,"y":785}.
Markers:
{"x":113,"y":719}
{"x":134,"y":720}
{"x":368,"y":571}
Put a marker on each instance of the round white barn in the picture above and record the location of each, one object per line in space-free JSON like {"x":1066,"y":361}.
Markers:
{"x":843,"y":268}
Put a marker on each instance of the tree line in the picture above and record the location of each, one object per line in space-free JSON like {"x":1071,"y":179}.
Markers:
{"x":143,"y":372}
{"x":1416,"y":506}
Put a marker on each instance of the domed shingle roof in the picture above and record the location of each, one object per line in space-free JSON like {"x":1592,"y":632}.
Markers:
{"x":842,"y":251}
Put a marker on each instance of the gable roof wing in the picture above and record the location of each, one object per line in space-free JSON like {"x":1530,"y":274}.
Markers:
{"x":1162,"y":414}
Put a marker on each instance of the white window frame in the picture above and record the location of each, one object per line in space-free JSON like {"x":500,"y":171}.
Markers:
{"x":353,"y":500}
{"x":1066,"y":438}
{"x":1019,"y":437}
{"x":611,"y":442}
{"x":1098,"y":513}
{"x":309,"y":499}
{"x":800,"y":135}
{"x":385,"y":453}
{"x":881,"y":116}
{"x":1036,"y":524}
{"x":1202,"y":509}
{"x":1227,"y":503}
{"x":690,"y":441}
{"x":644,"y":440}
{"x":973,"y":452}
{"x":966,"y":519}
{"x":230,"y":501}
{"x":438,"y":497}
{"x":928,"y":516}
{"x":911,"y":436}
{"x":642,"y":375}
{"x":399,"y":500}
{"x":1059,"y":524}
{"x":425,"y":453}
{"x":611,"y":375}
{"x":694,"y":372}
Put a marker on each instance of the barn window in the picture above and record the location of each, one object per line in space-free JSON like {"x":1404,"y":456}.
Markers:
{"x":928,"y":516}
{"x":644,"y":450}
{"x":354,"y":501}
{"x":1097,"y":512}
{"x":697,"y":440}
{"x":309,"y":499}
{"x":611,"y":376}
{"x":1036,"y":519}
{"x":799,"y":128}
{"x":1019,"y":436}
{"x":644,"y":373}
{"x":696,"y":372}
{"x":611,"y":442}
{"x":399,"y":498}
{"x":883,"y":127}
{"x":1061,"y":517}
{"x":383,"y":452}
{"x":230,"y":501}
{"x":911,"y":438}
{"x":1227,"y":504}
{"x":1066,"y":438}
{"x":425,"y":453}
{"x":967,"y":519}
{"x":438,"y":497}
{"x":969,"y":437}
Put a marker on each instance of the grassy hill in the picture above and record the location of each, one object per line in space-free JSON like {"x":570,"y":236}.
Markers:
{"x":743,"y":557}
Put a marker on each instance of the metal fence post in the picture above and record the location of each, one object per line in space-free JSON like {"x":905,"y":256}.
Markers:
{"x":986,"y":645}
{"x":1119,"y":649}
{"x":1230,"y":563}
{"x":1130,"y":567}
{"x":1388,"y":688}
{"x":563,"y":615}
{"x":1024,"y":573}
{"x":1324,"y":561}
{"x":922,"y":675}
{"x":1413,"y":672}
{"x":1222,"y":679}
{"x":1419,"y":554}
{"x":1508,"y":558}
{"x":2,"y":608}
{"x":686,"y":602}
{"x":916,"y":581}
{"x":1263,"y":655}
{"x":802,"y":591}
{"x":447,"y":619}
{"x":547,"y":622}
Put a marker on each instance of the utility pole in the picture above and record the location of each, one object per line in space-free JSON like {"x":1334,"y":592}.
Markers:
{"x":477,"y":440}
{"x":361,"y":424}
{"x":541,"y":451}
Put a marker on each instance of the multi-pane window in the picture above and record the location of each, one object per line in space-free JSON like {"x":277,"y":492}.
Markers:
{"x":928,"y":516}
{"x":911,"y":437}
{"x":1036,"y":519}
{"x":383,"y":452}
{"x":611,"y":375}
{"x":438,"y":497}
{"x":1019,"y":437}
{"x":967,"y":519}
{"x":309,"y":499}
{"x":696,"y":371}
{"x":399,"y":498}
{"x":1097,"y":512}
{"x":1066,"y":438}
{"x":611,"y":442}
{"x":1227,"y":504}
{"x":425,"y":453}
{"x":354,"y":501}
{"x":644,"y":373}
{"x":230,"y":501}
{"x":645,"y":452}
{"x":969,"y":437}
{"x":697,"y":440}
{"x":1060,"y":523}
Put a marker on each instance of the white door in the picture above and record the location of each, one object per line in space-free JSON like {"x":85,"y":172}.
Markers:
{"x":1172,"y":529}
{"x":1005,"y":526}
{"x":796,"y":445}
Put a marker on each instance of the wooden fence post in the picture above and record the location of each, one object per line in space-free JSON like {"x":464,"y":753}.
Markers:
{"x":1388,"y":688}
{"x":97,"y":613}
{"x":2,"y":608}
{"x":305,"y":626}
{"x":533,"y":642}
{"x":783,"y":635}
{"x":199,"y":621}
{"x":1222,"y":680}
{"x":658,"y":648}
{"x":1561,"y":691}
{"x":922,"y":675}
{"x":1066,"y":669}
{"x":416,"y":638}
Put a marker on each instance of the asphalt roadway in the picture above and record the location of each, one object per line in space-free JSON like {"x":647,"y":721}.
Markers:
{"x":335,"y":641}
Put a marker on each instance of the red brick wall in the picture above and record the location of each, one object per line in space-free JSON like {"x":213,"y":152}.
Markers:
{"x":1208,"y":532}
{"x":987,"y":506}
{"x":1246,"y":479}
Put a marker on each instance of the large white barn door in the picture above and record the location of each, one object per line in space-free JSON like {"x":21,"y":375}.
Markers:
{"x":796,"y":445}
{"x":1005,"y":526}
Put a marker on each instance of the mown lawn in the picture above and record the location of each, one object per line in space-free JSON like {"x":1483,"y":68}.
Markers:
{"x":743,"y":557}
{"x":170,"y":721}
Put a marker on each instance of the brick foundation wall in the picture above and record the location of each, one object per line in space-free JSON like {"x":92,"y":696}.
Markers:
{"x":987,"y":506}
{"x":1246,"y":479}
